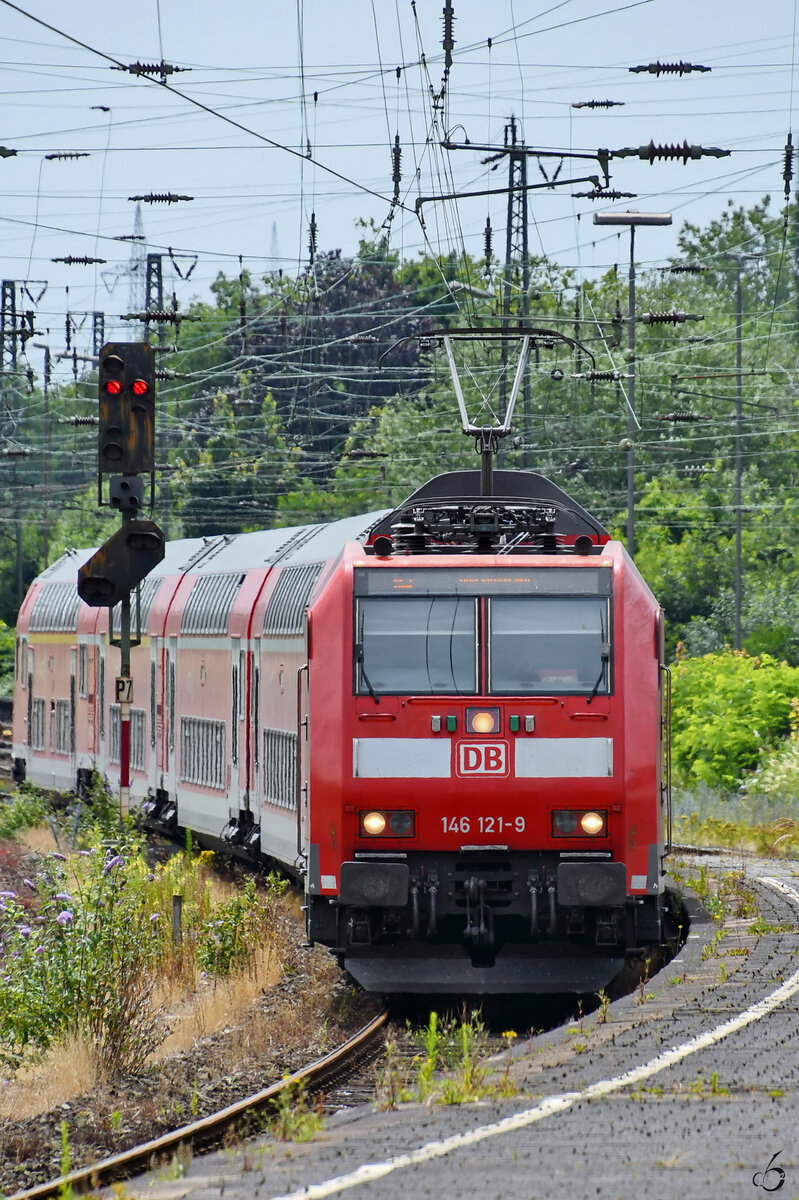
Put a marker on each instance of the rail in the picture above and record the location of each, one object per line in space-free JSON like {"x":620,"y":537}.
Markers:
{"x":207,"y":1129}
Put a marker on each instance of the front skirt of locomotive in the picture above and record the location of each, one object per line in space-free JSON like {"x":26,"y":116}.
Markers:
{"x":484,"y":923}
{"x":413,"y":969}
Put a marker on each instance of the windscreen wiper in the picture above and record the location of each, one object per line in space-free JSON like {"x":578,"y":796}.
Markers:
{"x":604,"y":654}
{"x":364,"y":676}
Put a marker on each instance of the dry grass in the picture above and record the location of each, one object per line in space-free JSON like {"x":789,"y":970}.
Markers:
{"x":215,"y":1004}
{"x":65,"y":1072}
{"x":39,"y":839}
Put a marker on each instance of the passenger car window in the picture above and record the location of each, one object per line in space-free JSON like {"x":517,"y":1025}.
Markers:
{"x":419,"y":645}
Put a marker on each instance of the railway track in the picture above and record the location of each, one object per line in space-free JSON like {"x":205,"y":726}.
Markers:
{"x":331,"y":1070}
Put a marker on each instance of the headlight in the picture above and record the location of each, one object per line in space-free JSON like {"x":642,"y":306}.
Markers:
{"x":482,"y":720}
{"x":567,"y":822}
{"x":564,"y":823}
{"x":373,"y":823}
{"x":397,"y":823}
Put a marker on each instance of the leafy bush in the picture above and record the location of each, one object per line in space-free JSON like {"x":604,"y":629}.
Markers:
{"x":83,"y":964}
{"x":26,"y":809}
{"x":84,"y":950}
{"x":728,"y":709}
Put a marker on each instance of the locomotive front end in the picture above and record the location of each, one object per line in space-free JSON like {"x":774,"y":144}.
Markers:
{"x":488,"y":813}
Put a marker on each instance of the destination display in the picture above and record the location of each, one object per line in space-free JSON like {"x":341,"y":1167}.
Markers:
{"x":449,"y":581}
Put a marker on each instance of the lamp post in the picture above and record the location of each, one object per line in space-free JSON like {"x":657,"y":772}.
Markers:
{"x":631,"y":219}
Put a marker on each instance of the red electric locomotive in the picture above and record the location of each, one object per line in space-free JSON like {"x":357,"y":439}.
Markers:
{"x":484,"y":800}
{"x":450,"y":727}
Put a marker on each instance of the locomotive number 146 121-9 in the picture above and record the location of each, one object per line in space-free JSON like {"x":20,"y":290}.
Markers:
{"x":492,"y":824}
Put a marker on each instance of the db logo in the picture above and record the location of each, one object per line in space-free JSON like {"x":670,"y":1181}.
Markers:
{"x":482,"y":758}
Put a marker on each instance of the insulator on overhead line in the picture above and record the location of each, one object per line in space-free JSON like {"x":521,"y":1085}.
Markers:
{"x":601,"y":376}
{"x":83,"y":260}
{"x":686,"y":269}
{"x":78,"y":420}
{"x":67,"y":154}
{"x":312,"y":239}
{"x":661,"y":68}
{"x":685,"y":152}
{"x":160,"y":198}
{"x":668,"y":318}
{"x":599,"y":193}
{"x":161,"y":69}
{"x":448,"y":41}
{"x":488,"y":235}
{"x":598,"y":104}
{"x":684,"y":416}
{"x":396,"y":168}
{"x":787,"y":170}
{"x":160,"y":314}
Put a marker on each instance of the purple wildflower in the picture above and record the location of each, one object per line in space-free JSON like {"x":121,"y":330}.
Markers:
{"x":29,"y":883}
{"x":112,"y":862}
{"x":8,"y":895}
{"x":40,"y":950}
{"x":24,"y":930}
{"x":57,"y":854}
{"x":155,"y":917}
{"x":64,"y":896}
{"x":65,"y":917}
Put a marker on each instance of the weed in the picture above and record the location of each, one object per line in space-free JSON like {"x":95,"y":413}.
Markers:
{"x":294,"y":1120}
{"x":725,"y":894}
{"x":179,"y":1164}
{"x":391,"y":1083}
{"x":604,"y":1004}
{"x":762,"y":926}
{"x":699,"y":1088}
{"x":65,"y":1192}
{"x":711,"y":948}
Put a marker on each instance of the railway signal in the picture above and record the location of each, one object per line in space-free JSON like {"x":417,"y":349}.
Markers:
{"x":121,"y":563}
{"x":127,"y":408}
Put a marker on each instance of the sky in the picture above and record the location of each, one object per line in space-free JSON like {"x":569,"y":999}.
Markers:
{"x":284,"y":110}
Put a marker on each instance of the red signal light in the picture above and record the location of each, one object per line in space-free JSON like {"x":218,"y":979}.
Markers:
{"x":140,"y":387}
{"x":113,"y":387}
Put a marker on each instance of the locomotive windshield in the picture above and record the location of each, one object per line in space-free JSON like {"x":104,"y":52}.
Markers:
{"x":507,"y":638}
{"x":546,"y":645}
